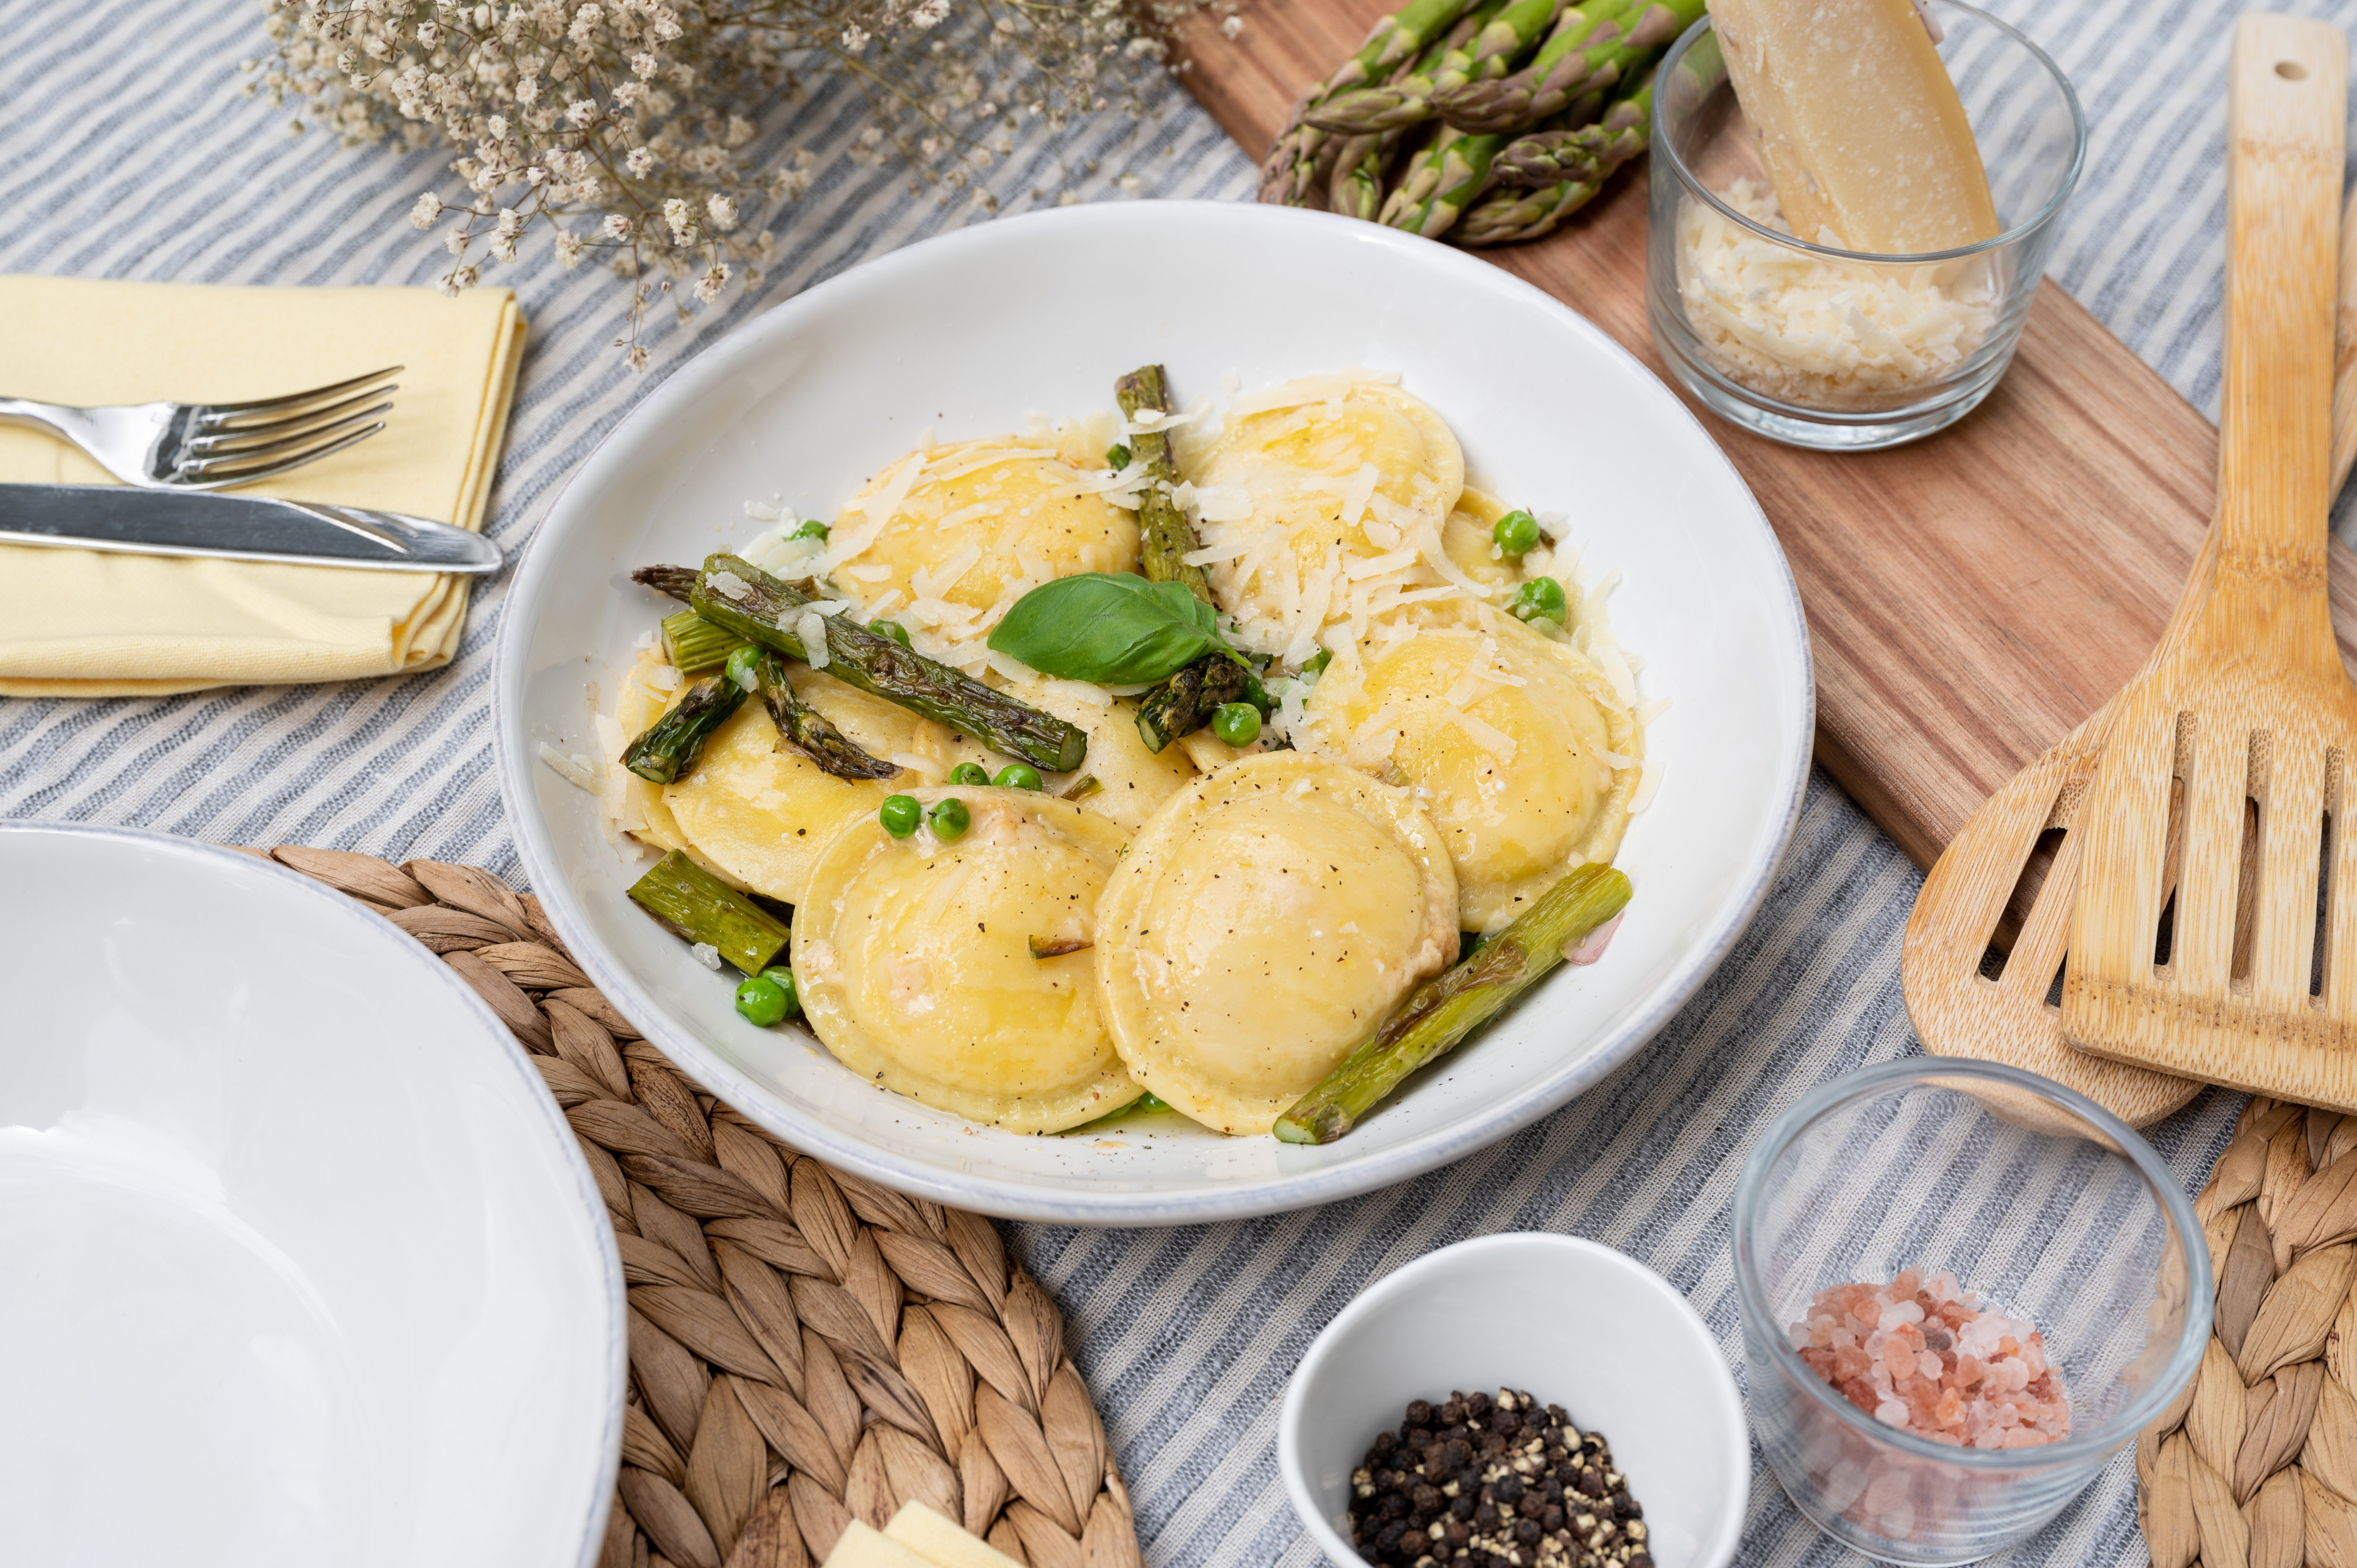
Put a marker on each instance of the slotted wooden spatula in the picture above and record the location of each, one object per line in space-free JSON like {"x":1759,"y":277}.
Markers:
{"x":1961,"y":1010}
{"x":2251,"y":714}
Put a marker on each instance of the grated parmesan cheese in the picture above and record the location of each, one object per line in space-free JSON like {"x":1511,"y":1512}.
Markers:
{"x":1816,"y":331}
{"x":577,"y":771}
{"x":706,"y":954}
{"x":811,"y":632}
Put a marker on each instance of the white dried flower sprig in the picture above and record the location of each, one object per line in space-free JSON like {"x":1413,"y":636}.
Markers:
{"x":622,"y":128}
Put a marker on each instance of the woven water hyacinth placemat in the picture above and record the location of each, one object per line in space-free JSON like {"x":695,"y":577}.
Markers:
{"x":806,"y":1347}
{"x":2257,"y":1462}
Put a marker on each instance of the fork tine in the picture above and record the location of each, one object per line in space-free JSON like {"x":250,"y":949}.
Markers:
{"x":214,"y":432}
{"x":293,"y":400}
{"x":204,"y":470}
{"x":262,"y":440}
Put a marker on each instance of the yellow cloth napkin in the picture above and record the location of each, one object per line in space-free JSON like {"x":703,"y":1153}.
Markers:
{"x":79,"y":623}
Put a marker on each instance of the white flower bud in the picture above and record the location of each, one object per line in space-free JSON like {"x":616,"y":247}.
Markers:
{"x":581,"y":111}
{"x":428,"y":210}
{"x":455,"y":239}
{"x":511,"y":224}
{"x":617,"y":226}
{"x":722,"y":210}
{"x":708,"y":287}
{"x":568,"y":251}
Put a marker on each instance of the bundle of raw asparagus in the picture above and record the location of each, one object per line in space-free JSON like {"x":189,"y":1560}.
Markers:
{"x":1485,"y":121}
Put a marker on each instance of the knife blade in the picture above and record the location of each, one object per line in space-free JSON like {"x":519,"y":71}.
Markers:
{"x":236,"y":528}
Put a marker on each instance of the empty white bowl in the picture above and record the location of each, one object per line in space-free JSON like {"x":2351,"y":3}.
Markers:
{"x":1570,"y":1321}
{"x":299,"y":1262}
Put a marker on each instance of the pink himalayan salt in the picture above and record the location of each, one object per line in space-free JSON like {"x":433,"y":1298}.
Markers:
{"x":1922,"y":1354}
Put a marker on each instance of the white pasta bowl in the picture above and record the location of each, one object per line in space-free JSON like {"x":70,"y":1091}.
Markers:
{"x":303,"y":1263}
{"x":965,"y":334}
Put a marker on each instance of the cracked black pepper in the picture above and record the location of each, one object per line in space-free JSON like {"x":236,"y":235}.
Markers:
{"x":1500,"y":1481}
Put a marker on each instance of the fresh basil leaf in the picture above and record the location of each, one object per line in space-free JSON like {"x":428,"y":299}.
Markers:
{"x":1115,"y":629}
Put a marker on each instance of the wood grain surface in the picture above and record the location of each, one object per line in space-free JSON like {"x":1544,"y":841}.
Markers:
{"x":1970,"y":597}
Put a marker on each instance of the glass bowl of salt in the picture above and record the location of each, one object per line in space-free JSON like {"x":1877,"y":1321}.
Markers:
{"x":1810,"y":343}
{"x":1965,"y":1290}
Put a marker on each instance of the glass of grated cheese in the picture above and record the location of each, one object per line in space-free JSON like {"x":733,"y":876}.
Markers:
{"x":1965,"y":1290}
{"x":1817,"y":346}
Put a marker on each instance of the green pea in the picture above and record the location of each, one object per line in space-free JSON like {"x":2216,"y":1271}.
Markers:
{"x":761,"y":1001}
{"x":1516,"y":535}
{"x":813,"y":528}
{"x":1237,"y":724}
{"x":1541,"y":598}
{"x":1117,"y":457}
{"x":740,"y":667}
{"x":1020,"y":776}
{"x":951,"y":820}
{"x":891,"y":628}
{"x":899,"y":814}
{"x":973,"y":775}
{"x":785,"y":980}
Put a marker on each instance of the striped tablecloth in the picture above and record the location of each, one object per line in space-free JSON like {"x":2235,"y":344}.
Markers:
{"x":127,"y":150}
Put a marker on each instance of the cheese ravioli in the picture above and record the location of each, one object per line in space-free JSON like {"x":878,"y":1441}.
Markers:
{"x":761,"y":811}
{"x":913,"y":958}
{"x":1517,"y":746}
{"x":1264,"y":922}
{"x":980,"y":521}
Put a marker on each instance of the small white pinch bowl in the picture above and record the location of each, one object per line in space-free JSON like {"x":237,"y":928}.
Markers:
{"x":1567,"y":1320}
{"x":299,"y":1262}
{"x":963,"y":334}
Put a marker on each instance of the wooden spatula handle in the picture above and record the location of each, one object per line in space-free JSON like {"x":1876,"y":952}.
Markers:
{"x":2287,"y":99}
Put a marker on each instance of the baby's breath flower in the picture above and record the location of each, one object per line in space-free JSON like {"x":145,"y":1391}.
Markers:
{"x":640,"y":117}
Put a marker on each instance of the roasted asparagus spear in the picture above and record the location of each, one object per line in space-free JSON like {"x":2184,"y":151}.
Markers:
{"x":1451,"y":1004}
{"x":1594,"y":48}
{"x":1446,"y":180}
{"x":1588,"y":157}
{"x":802,"y":727}
{"x":669,"y":746}
{"x":1165,"y":536}
{"x":1186,"y":702}
{"x":694,"y":644}
{"x":701,"y":907}
{"x":734,"y":592}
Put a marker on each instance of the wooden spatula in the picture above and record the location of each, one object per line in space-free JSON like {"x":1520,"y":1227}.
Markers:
{"x":1984,"y":881}
{"x":2252,"y":713}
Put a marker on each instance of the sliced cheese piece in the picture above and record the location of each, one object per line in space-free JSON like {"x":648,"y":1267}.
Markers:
{"x":938,"y":1540}
{"x":1859,"y":123}
{"x":862,"y":1545}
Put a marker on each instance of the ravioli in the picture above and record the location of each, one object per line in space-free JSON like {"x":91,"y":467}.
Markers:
{"x":913,"y":960}
{"x":1527,"y":773}
{"x":1357,"y":474}
{"x":1262,"y":924}
{"x":762,"y":812}
{"x":1468,"y":539}
{"x":982,"y":521}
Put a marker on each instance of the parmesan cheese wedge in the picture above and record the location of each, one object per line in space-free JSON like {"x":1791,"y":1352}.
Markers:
{"x":1859,"y":124}
{"x":930,"y":1536}
{"x":862,"y":1545}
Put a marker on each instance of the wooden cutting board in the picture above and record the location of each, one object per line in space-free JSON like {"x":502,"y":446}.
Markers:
{"x":1970,"y":597}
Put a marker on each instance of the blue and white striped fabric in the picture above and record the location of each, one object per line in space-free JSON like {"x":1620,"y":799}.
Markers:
{"x":127,"y":150}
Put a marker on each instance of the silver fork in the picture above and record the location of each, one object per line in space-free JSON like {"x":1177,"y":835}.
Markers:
{"x":214,"y":445}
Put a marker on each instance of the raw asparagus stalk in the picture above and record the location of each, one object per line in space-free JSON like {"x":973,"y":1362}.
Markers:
{"x":1450,"y":1005}
{"x":761,"y":608}
{"x":1493,"y":51}
{"x":699,"y":907}
{"x":1186,"y":702}
{"x":1507,"y":215}
{"x":669,"y":746}
{"x":802,"y":727}
{"x":1165,"y":536}
{"x":694,"y":644}
{"x":1584,"y":154}
{"x":1289,"y":173}
{"x":1357,"y":187}
{"x":1454,"y":175}
{"x":1612,"y":51}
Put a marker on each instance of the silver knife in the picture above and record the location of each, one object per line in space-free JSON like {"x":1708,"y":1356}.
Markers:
{"x":236,"y":528}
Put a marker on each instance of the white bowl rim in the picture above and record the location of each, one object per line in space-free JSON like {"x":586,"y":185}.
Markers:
{"x":336,"y":908}
{"x":1731,"y":1430}
{"x":1082,"y":1206}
